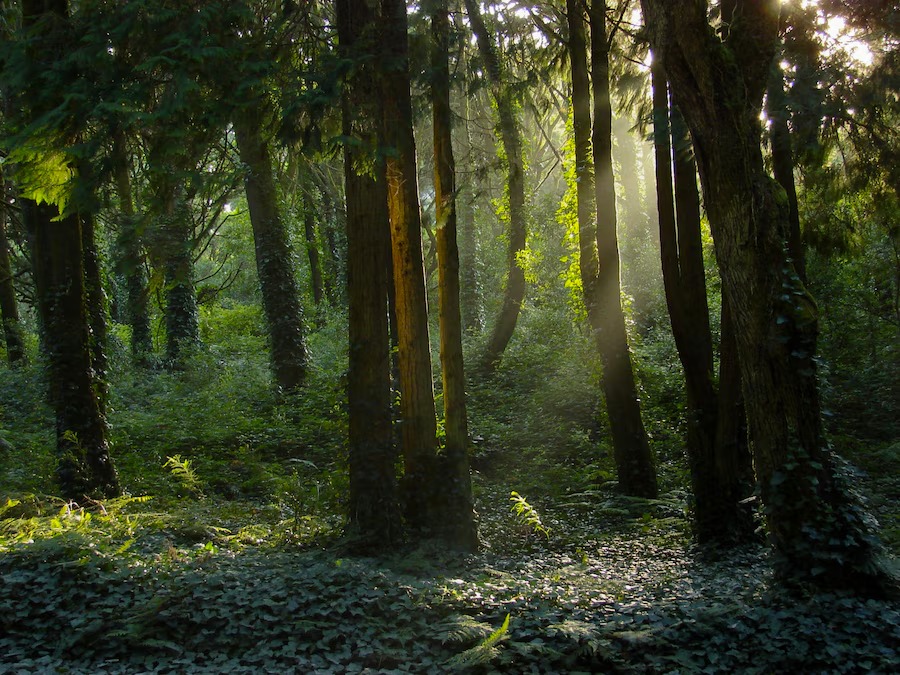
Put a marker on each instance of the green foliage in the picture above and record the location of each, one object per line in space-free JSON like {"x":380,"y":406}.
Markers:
{"x":527,"y":515}
{"x":483,"y":653}
{"x":183,"y":471}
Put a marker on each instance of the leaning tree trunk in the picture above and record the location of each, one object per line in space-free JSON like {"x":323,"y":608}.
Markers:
{"x":374,"y":512}
{"x":511,"y":137}
{"x":637,"y":474}
{"x":718,"y":514}
{"x":9,"y":306}
{"x":457,"y":484}
{"x":817,"y":529}
{"x":278,"y":285}
{"x":418,"y":425}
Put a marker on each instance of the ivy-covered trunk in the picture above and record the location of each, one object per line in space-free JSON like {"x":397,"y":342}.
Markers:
{"x":457,"y":484}
{"x":84,"y":466}
{"x":602,"y":291}
{"x":176,"y":248}
{"x":274,"y":266}
{"x":373,"y":511}
{"x":511,"y":138}
{"x":818,"y":530}
{"x":9,"y":306}
{"x":130,"y":262}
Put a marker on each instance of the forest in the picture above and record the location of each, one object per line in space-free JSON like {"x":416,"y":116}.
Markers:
{"x":489,"y":336}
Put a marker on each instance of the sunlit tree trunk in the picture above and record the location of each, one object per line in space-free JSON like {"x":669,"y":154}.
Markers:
{"x":374,"y":511}
{"x":470,"y":284}
{"x":637,"y":474}
{"x":454,"y":461}
{"x":9,"y":306}
{"x":130,"y":262}
{"x":274,"y":266}
{"x":418,"y":425}
{"x":818,"y":530}
{"x":511,"y":137}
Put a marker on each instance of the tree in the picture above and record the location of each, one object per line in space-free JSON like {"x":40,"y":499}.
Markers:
{"x":454,"y":458}
{"x":818,"y":531}
{"x":374,"y":510}
{"x":511,"y":138}
{"x":9,"y":306}
{"x":602,"y":292}
{"x":280,"y":295}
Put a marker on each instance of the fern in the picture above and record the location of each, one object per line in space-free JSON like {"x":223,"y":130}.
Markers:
{"x":482,"y":653}
{"x":527,"y":515}
{"x":183,"y":471}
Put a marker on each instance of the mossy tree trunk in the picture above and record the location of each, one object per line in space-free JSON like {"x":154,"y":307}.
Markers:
{"x":274,"y":265}
{"x":9,"y":305}
{"x":374,"y":509}
{"x":511,"y":138}
{"x":817,"y":529}
{"x":457,"y":485}
{"x":602,"y":289}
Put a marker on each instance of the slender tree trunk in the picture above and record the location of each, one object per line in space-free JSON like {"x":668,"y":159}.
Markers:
{"x":418,"y":425}
{"x":458,"y":508}
{"x":131,"y":257}
{"x":281,"y":301}
{"x":511,"y":137}
{"x":312,"y":248}
{"x":637,"y":475}
{"x":9,"y":306}
{"x":374,"y":511}
{"x":181,"y":318}
{"x":95,"y":297}
{"x":470,"y":289}
{"x":817,"y":529}
{"x":783,"y":163}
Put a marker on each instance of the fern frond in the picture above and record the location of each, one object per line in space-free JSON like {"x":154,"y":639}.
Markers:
{"x":482,"y":653}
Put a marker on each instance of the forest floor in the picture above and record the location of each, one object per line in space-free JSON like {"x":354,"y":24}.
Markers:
{"x":610,"y":585}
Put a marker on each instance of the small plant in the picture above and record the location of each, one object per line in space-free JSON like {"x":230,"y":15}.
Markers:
{"x":183,"y":471}
{"x":482,"y":653}
{"x":527,"y":515}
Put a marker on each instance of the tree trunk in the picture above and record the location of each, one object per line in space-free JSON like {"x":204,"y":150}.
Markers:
{"x":9,"y":306}
{"x":95,"y":298}
{"x":637,"y":475}
{"x":131,"y":258}
{"x":84,"y":467}
{"x":418,"y":425}
{"x":718,"y":515}
{"x":783,"y":163}
{"x":274,"y":266}
{"x":470,"y":284}
{"x":817,"y":529}
{"x":374,"y":513}
{"x":182,"y":322}
{"x":457,"y":488}
{"x":511,"y":137}
{"x":312,"y":248}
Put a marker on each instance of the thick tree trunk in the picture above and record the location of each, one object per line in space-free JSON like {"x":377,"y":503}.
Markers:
{"x":85,"y":467}
{"x":9,"y":306}
{"x":637,"y":474}
{"x":458,"y":509}
{"x":511,"y":137}
{"x":181,"y":317}
{"x":374,"y":512}
{"x":274,"y":266}
{"x":718,"y":515}
{"x":95,"y":298}
{"x":418,"y":425}
{"x":817,"y":529}
{"x":131,"y":259}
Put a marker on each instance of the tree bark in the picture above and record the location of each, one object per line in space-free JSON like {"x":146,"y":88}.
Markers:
{"x":374,"y":511}
{"x":511,"y":137}
{"x":274,"y":266}
{"x":9,"y":306}
{"x":312,"y":248}
{"x":817,"y":529}
{"x":418,"y":425}
{"x":459,"y":514}
{"x":131,"y":259}
{"x":718,"y":516}
{"x":637,"y":474}
{"x":174,"y":236}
